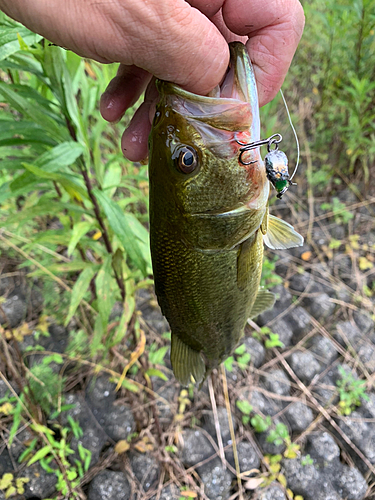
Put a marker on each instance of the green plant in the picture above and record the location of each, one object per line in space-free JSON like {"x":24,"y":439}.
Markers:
{"x":270,"y":339}
{"x":71,"y":205}
{"x":269,"y":277}
{"x":68,"y":475}
{"x":260,"y":423}
{"x":245,"y":408}
{"x":351,"y":391}
{"x":12,"y":486}
{"x":340,"y":212}
{"x":307,"y":460}
{"x":280,"y":435}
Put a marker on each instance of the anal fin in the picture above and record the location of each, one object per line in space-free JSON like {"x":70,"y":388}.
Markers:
{"x":281,"y":235}
{"x":265,"y":300}
{"x":186,"y":362}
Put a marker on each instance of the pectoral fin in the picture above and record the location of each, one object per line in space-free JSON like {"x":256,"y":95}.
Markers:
{"x":186,"y":362}
{"x":281,"y":235}
{"x":265,"y":300}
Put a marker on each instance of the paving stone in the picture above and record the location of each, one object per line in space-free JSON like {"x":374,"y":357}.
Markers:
{"x":346,"y":331}
{"x":109,"y":485}
{"x":267,"y":447}
{"x":15,"y":308}
{"x":304,"y":365}
{"x":301,"y":479}
{"x":93,"y":437}
{"x":247,"y":456}
{"x":277,"y":381}
{"x":145,"y":468}
{"x":209,"y":424}
{"x":41,"y":485}
{"x":217,"y":482}
{"x":6,"y":464}
{"x":366,"y":354}
{"x":262,"y":404}
{"x":299,"y":416}
{"x":361,"y":433}
{"x":196,"y":447}
{"x":364,"y":321}
{"x":169,"y":392}
{"x":284,"y":330}
{"x":117,"y":421}
{"x":300,"y":321}
{"x":324,"y":349}
{"x":170,"y":492}
{"x":351,"y":484}
{"x":256,"y":351}
{"x":100,"y":393}
{"x":321,"y":306}
{"x":323,"y":448}
{"x":273,"y":492}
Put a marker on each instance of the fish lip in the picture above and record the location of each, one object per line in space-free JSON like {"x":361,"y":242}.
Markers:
{"x":238,"y":82}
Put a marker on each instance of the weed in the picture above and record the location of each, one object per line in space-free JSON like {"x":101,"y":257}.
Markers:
{"x":12,"y":486}
{"x":351,"y":391}
{"x":270,"y":339}
{"x":260,"y":423}
{"x":307,"y":460}
{"x":245,"y":408}
{"x":340,"y":212}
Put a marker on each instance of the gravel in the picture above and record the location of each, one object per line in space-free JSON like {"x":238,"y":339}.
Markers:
{"x":145,"y":468}
{"x":256,"y":351}
{"x":299,"y":416}
{"x":209,"y":424}
{"x":323,"y":448}
{"x":305,"y":365}
{"x":273,"y":492}
{"x":109,"y":485}
{"x":217,"y":482}
{"x":247,"y":456}
{"x":277,"y":381}
{"x":196,"y":447}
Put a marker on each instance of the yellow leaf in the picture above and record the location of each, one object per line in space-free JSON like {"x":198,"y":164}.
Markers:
{"x":282,"y":479}
{"x":315,"y":91}
{"x":6,"y":481}
{"x":298,"y":497}
{"x":97,"y":235}
{"x":364,"y":264}
{"x":122,"y":446}
{"x":188,"y":493}
{"x":274,"y":468}
{"x":10,"y":491}
{"x":6,"y":408}
{"x":290,"y":493}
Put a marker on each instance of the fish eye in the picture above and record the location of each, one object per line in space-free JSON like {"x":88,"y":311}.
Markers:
{"x":187,"y":159}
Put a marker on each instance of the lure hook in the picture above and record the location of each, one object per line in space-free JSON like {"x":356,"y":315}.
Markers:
{"x":274,"y":139}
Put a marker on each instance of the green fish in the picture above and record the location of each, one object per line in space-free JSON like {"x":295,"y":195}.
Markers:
{"x":209,"y":217}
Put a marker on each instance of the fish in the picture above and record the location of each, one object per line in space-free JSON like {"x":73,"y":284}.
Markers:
{"x":209,"y":217}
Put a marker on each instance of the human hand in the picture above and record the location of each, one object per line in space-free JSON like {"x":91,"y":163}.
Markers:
{"x":174,"y":40}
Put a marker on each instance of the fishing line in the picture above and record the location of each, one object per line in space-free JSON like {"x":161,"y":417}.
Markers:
{"x":294,"y":132}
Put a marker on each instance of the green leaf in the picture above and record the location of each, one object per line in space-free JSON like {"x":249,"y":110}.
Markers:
{"x":132,"y":235}
{"x":72,"y":183}
{"x":103,"y":284}
{"x":157,"y":357}
{"x":79,"y":230}
{"x":79,"y":290}
{"x":33,"y":111}
{"x":240,"y":349}
{"x":244,"y":406}
{"x":154,"y":372}
{"x":9,"y":42}
{"x":62,"y":155}
{"x":43,"y":452}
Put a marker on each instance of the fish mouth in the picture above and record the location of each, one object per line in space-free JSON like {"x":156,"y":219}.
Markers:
{"x":231,"y":105}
